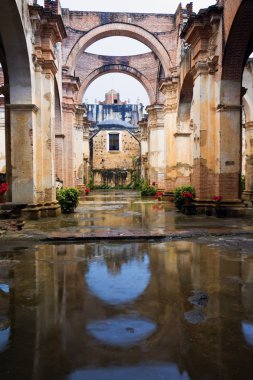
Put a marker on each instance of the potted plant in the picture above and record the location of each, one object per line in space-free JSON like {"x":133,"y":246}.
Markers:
{"x":3,"y":189}
{"x":158,"y":195}
{"x":189,"y":207}
{"x":68,"y":199}
{"x":180,"y":200}
{"x":219,"y":211}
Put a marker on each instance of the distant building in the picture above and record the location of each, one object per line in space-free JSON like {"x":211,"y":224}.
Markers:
{"x":114,"y":140}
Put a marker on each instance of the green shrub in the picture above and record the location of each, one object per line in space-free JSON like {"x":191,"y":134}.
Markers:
{"x":147,"y":190}
{"x":178,"y":198}
{"x":68,"y":199}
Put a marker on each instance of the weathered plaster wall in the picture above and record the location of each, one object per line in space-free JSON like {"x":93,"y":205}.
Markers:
{"x":103,"y":159}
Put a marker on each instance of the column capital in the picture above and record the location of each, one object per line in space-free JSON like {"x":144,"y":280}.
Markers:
{"x":23,"y":107}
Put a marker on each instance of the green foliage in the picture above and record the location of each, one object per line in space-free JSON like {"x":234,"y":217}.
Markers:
{"x":242,"y":182}
{"x":178,"y":198}
{"x":68,"y":199}
{"x":147,"y":190}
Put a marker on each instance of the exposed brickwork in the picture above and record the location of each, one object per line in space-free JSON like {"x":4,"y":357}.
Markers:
{"x":143,"y":67}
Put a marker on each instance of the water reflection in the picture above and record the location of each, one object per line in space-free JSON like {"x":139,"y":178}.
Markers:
{"x":161,"y":372}
{"x":56,"y":323}
{"x":116,"y":281}
{"x":247,"y":329}
{"x":4,"y":338}
{"x":122,"y":331}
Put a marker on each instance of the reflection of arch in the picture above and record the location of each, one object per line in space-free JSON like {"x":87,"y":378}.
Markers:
{"x":15,"y":51}
{"x":120,"y":29}
{"x":124,"y":69}
{"x":186,"y":94}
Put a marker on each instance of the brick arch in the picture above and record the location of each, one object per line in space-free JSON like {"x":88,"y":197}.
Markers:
{"x":120,"y":29}
{"x":118,"y":68}
{"x":239,"y":43}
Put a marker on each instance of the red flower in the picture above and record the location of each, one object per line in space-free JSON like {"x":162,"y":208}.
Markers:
{"x":217,"y":198}
{"x":4,"y":187}
{"x":187,"y":194}
{"x":158,"y":194}
{"x":87,"y":191}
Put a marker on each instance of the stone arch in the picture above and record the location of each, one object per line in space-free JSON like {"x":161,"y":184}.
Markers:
{"x":124,"y":69}
{"x":120,"y":29}
{"x":238,"y":47}
{"x":14,"y":46}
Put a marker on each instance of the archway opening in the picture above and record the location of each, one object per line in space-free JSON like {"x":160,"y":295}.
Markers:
{"x":115,"y":105}
{"x":118,"y":46}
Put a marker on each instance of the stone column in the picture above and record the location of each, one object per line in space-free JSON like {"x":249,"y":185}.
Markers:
{"x":205,"y":132}
{"x":229,"y":176}
{"x":79,"y":146}
{"x":156,"y":145}
{"x":23,"y":152}
{"x":248,"y":193}
{"x":143,"y":124}
{"x":70,"y":89}
{"x":170,"y":91}
{"x":86,"y":145}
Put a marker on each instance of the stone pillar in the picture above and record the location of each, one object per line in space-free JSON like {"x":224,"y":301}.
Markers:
{"x":205,"y":149}
{"x":143,"y":125}
{"x":248,"y":193}
{"x":86,"y":146}
{"x":170,"y":91}
{"x":229,"y":176}
{"x":23,"y":152}
{"x":79,"y":146}
{"x":71,"y":86}
{"x":156,"y":145}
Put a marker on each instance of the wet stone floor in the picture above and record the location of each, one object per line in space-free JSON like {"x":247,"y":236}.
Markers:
{"x":106,"y":309}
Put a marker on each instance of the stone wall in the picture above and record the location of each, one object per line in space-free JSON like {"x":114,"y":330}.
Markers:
{"x":118,"y":161}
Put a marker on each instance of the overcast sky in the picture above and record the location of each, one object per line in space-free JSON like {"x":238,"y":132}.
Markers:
{"x":128,"y":87}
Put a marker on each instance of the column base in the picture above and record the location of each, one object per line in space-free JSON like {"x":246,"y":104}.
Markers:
{"x":41,"y":210}
{"x":247,"y":195}
{"x":228,"y":208}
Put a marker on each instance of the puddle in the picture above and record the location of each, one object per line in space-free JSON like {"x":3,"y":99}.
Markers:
{"x":126,"y":310}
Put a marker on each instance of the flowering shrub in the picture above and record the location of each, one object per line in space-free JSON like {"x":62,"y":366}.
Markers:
{"x":87,"y":191}
{"x":158,"y":194}
{"x":3,"y":188}
{"x":182,"y":195}
{"x":217,"y":198}
{"x":187,"y":195}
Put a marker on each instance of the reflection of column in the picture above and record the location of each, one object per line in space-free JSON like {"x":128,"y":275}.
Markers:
{"x":248,"y":193}
{"x":156,"y":145}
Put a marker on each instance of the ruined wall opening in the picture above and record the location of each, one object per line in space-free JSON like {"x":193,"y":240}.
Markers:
{"x":118,"y":107}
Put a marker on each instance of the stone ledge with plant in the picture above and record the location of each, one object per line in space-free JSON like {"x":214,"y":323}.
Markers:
{"x":68,"y":199}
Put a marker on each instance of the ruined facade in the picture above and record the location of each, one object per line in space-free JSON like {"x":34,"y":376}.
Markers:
{"x":193,"y":133}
